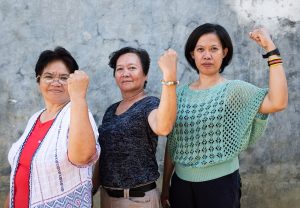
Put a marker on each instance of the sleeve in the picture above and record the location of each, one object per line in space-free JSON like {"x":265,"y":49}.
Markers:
{"x":244,"y":102}
{"x":151,"y":104}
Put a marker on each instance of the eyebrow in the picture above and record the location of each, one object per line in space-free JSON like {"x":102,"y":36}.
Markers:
{"x":127,"y":64}
{"x":203,"y":46}
{"x":53,"y":74}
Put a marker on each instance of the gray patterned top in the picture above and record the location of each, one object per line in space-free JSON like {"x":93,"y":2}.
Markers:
{"x":128,"y":146}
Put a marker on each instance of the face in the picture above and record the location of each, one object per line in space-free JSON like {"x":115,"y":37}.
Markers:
{"x":129,"y":73}
{"x":55,"y":92}
{"x":208,"y":54}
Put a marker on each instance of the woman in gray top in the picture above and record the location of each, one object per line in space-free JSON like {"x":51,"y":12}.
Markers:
{"x":130,"y":128}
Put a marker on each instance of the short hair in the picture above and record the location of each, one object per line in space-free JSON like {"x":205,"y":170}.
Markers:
{"x":205,"y":29}
{"x":58,"y":54}
{"x":141,"y":53}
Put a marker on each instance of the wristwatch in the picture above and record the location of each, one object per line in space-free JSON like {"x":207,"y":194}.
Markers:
{"x":270,"y":53}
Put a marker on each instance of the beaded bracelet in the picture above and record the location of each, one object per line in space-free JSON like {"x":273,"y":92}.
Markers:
{"x":275,"y":61}
{"x":169,"y":83}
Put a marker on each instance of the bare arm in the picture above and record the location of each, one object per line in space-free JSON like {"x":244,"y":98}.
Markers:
{"x":277,"y":97}
{"x":161,"y":120}
{"x":82,"y":144}
{"x":168,"y":170}
{"x":6,"y":203}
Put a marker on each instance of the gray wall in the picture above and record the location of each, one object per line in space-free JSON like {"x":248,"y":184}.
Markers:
{"x":92,"y":29}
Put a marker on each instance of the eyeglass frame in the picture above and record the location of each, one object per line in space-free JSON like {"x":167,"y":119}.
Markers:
{"x":58,"y":79}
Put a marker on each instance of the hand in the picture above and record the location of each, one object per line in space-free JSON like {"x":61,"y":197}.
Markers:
{"x":78,"y":83}
{"x":262,"y":38}
{"x":168,"y":65}
{"x":164,"y":199}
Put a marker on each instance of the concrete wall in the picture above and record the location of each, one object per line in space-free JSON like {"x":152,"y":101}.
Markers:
{"x":92,"y":29}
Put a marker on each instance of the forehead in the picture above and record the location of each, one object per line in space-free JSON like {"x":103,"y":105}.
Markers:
{"x":129,"y":58}
{"x":56,"y":67}
{"x":209,"y":39}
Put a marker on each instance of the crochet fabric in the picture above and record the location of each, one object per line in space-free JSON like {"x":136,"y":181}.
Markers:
{"x":214,"y":125}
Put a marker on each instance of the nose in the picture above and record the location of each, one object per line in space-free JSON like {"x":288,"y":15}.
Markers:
{"x":125,"y":73}
{"x":206,"y":55}
{"x":56,"y":81}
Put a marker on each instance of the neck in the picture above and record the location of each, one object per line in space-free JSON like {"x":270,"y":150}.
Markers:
{"x":51,"y":111}
{"x":206,"y":81}
{"x":131,"y":96}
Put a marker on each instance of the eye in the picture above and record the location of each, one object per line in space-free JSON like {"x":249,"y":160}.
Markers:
{"x":214,"y":49}
{"x":200,"y":49}
{"x":131,"y":68}
{"x":64,"y":78}
{"x":119,"y":69}
{"x":47,"y":77}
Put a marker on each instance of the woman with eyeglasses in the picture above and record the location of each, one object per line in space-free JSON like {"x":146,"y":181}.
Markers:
{"x":51,"y":163}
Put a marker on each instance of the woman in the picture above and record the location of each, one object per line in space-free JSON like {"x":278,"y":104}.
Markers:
{"x":52,"y":161}
{"x":130,"y":129}
{"x":217,"y":119}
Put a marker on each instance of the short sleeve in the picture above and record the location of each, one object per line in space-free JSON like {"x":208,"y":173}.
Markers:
{"x":150,"y":104}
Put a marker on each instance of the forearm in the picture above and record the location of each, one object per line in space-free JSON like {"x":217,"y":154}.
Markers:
{"x":82,"y":144}
{"x":278,"y":89}
{"x":168,"y":171}
{"x":167,"y":109}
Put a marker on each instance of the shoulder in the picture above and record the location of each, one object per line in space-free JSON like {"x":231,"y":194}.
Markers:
{"x":152,"y":100}
{"x":241,"y":85}
{"x":244,"y":89}
{"x":33,"y":118}
{"x":148,"y":104}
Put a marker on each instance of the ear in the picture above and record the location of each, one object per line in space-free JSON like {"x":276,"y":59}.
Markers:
{"x":225,"y":51}
{"x":192,"y":54}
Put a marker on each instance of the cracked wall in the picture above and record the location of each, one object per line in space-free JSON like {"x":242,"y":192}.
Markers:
{"x":92,"y":29}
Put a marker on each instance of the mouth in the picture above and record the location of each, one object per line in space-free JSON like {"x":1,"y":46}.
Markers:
{"x":55,"y":91}
{"x":127,"y":81}
{"x":207,"y":64}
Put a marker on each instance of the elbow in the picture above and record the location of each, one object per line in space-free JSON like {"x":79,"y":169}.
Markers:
{"x":81,"y":160}
{"x":281,"y":106}
{"x":164,"y":131}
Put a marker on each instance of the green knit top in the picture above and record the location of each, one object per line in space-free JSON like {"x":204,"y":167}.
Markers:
{"x":213,"y":126}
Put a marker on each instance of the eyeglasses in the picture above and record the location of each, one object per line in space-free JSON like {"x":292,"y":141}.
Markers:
{"x":49,"y":78}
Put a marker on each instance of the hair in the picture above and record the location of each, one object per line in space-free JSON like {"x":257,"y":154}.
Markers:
{"x":141,"y":53}
{"x":58,"y":54}
{"x":205,"y":29}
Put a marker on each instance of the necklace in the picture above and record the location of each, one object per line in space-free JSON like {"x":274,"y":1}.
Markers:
{"x":133,"y":96}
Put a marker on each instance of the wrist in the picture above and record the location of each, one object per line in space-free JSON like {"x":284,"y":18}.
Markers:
{"x":270,"y":47}
{"x":169,"y":82}
{"x":271,"y":53}
{"x":78,"y":100}
{"x":169,"y":76}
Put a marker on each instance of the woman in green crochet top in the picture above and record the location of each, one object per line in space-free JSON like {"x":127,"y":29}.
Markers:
{"x":216,"y":120}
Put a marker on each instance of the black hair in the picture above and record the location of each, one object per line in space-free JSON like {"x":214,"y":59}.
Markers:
{"x":141,"y":53}
{"x":58,"y":54}
{"x":205,"y":29}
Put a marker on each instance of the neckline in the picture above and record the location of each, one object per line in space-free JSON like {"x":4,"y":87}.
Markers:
{"x":208,"y":89}
{"x":46,"y":122}
{"x":132,"y":106}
